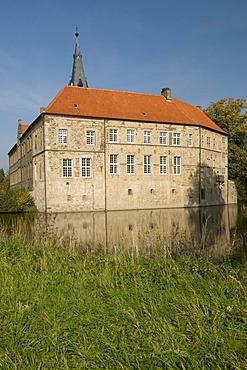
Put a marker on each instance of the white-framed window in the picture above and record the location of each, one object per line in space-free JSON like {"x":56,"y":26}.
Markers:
{"x":177,"y":165}
{"x":62,"y":136}
{"x":113,"y":135}
{"x":208,"y":142}
{"x":130,"y":164}
{"x":90,"y":137}
{"x":67,"y":167}
{"x":147,"y":137}
{"x":86,"y":167}
{"x":163,"y":138}
{"x":176,"y":138}
{"x":190,"y":139}
{"x":147,"y":164}
{"x":114,"y":164}
{"x":130,"y":136}
{"x":163,"y":165}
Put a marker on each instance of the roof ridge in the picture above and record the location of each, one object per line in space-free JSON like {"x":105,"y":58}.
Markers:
{"x":118,"y":91}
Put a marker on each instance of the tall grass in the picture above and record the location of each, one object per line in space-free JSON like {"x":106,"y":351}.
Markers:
{"x":62,"y":310}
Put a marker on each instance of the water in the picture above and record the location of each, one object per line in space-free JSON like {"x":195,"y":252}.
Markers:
{"x":217,"y":231}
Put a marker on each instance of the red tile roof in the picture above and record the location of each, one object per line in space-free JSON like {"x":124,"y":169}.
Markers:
{"x":24,"y":128}
{"x":109,"y":104}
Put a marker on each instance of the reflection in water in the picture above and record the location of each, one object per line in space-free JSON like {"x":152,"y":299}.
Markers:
{"x":147,"y":232}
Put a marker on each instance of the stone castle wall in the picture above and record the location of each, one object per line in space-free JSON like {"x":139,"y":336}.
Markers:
{"x":196,"y":185}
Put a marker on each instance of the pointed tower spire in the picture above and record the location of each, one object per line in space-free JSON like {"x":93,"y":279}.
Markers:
{"x":78,"y":76}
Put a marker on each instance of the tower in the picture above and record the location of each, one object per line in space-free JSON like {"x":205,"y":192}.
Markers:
{"x":78,"y":76}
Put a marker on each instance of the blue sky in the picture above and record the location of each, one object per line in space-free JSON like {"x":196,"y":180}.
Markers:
{"x":197,"y":48}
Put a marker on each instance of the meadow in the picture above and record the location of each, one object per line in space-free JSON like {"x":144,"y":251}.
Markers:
{"x":65,"y":310}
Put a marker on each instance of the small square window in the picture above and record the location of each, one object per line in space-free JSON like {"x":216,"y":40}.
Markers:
{"x":130,"y":192}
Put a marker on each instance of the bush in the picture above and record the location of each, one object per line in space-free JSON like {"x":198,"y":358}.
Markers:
{"x":16,"y":200}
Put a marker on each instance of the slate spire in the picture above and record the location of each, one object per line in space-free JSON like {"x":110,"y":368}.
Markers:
{"x":78,"y":76}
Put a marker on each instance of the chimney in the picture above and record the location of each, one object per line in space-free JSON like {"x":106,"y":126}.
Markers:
{"x":19,"y":131}
{"x":167,"y":93}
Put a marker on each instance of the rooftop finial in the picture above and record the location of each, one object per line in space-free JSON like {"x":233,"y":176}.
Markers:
{"x":76,"y":32}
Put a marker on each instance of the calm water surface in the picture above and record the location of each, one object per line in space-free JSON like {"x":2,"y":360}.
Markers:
{"x":218,"y":231}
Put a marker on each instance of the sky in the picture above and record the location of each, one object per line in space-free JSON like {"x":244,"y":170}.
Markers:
{"x":198,"y":48}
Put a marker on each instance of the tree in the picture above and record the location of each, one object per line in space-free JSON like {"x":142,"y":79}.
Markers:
{"x":2,"y":175}
{"x":231,"y":115}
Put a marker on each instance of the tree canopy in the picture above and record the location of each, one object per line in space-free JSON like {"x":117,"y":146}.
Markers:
{"x":231,"y":115}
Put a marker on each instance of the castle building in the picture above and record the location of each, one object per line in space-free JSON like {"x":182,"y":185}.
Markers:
{"x":95,"y":150}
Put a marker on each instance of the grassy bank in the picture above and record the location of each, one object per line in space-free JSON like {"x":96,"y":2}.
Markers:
{"x":64,"y":311}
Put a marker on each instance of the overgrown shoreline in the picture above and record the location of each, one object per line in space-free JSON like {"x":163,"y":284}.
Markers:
{"x":61,"y":310}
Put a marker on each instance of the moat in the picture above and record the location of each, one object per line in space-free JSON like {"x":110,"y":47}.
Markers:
{"x":211,"y":230}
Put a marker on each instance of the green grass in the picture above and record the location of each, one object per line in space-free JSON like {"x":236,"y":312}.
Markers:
{"x":60,"y":310}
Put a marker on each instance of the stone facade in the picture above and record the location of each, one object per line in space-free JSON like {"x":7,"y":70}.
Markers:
{"x":94,"y":164}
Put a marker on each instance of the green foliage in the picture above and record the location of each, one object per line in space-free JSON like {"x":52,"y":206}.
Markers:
{"x":231,"y":116}
{"x":64,"y":311}
{"x":2,"y":175}
{"x":14,"y":200}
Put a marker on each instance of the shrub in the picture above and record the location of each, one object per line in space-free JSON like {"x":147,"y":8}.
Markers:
{"x":16,"y":200}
